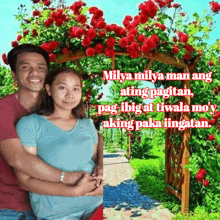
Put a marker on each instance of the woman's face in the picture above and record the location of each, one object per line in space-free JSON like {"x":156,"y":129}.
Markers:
{"x":66,"y":91}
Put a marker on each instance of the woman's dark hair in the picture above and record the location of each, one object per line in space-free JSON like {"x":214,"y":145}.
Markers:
{"x":29,"y":48}
{"x":47,"y":105}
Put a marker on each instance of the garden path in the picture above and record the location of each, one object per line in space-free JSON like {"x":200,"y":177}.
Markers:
{"x":122,"y":198}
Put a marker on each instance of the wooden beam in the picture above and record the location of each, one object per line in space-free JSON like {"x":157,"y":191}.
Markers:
{"x":113,"y":63}
{"x":186,"y":153}
{"x":154,"y":55}
{"x":174,"y":192}
{"x":149,"y":64}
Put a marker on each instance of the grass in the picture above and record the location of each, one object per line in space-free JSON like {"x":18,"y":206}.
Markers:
{"x":150,"y":176}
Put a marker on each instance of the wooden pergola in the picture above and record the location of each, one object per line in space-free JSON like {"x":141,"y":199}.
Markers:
{"x":177,"y":176}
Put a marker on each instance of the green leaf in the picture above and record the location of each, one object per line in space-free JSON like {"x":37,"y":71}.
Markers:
{"x":85,"y":9}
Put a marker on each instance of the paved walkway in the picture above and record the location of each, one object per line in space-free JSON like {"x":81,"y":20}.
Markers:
{"x":122,"y":199}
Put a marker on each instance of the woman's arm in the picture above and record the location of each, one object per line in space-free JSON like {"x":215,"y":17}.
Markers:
{"x":83,"y":185}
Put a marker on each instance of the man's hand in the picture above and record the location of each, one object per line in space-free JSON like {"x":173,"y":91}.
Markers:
{"x":98,"y":174}
{"x":73,"y":177}
{"x":86,"y":184}
{"x":97,"y":192}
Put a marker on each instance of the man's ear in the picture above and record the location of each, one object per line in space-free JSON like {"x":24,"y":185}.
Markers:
{"x":47,"y":88}
{"x":13,"y":75}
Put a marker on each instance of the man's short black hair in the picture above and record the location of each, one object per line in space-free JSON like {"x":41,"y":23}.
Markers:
{"x":12,"y":55}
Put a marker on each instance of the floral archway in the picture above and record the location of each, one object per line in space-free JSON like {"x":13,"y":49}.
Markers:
{"x":153,"y":39}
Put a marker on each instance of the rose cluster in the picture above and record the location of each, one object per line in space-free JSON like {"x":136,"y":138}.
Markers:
{"x":213,"y":121}
{"x":200,"y":177}
{"x":215,"y":6}
{"x":49,"y":47}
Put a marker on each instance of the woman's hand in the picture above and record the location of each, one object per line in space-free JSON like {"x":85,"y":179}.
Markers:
{"x":98,"y":174}
{"x":86,"y":184}
{"x":97,"y":192}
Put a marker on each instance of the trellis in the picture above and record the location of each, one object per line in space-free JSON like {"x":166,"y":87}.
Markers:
{"x":177,"y":176}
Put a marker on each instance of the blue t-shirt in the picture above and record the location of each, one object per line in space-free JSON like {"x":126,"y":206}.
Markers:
{"x":67,"y":150}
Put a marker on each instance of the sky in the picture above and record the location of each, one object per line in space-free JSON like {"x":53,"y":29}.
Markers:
{"x":114,"y":12}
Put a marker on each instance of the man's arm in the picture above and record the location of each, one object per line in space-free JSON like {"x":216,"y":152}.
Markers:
{"x":98,"y":158}
{"x":17,"y":157}
{"x":85,"y":185}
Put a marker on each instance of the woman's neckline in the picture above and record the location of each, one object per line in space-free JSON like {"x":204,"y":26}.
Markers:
{"x":63,"y":130}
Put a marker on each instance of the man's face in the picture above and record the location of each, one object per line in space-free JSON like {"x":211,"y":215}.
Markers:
{"x":31,"y":70}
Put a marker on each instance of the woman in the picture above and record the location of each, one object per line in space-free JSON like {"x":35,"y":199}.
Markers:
{"x":61,"y":135}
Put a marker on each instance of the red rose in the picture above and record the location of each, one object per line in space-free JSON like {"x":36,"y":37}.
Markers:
{"x":19,"y":38}
{"x":46,"y":3}
{"x":128,"y":17}
{"x":217,"y":115}
{"x":200,"y":175}
{"x":79,"y":32}
{"x":145,"y":48}
{"x":122,"y":32}
{"x":92,"y":10}
{"x":161,"y":26}
{"x":211,"y":137}
{"x":48,"y":22}
{"x":183,"y":37}
{"x":36,"y":13}
{"x":111,"y":42}
{"x":65,"y":51}
{"x":126,"y":23}
{"x":109,"y":28}
{"x":183,"y":14}
{"x":141,"y":38}
{"x":91,"y":34}
{"x":155,"y":38}
{"x":203,"y":119}
{"x":59,"y":22}
{"x":4,"y":58}
{"x":109,"y":52}
{"x":36,"y":1}
{"x":149,"y":8}
{"x":187,"y":56}
{"x":130,"y":38}
{"x":102,"y":34}
{"x":150,"y":42}
{"x":211,"y":63}
{"x":81,"y":19}
{"x":175,"y":5}
{"x":54,"y":44}
{"x":215,"y":6}
{"x":206,"y":183}
{"x":86,"y":42}
{"x":101,"y":25}
{"x":212,"y":122}
{"x":99,"y":48}
{"x":123,"y":42}
{"x":98,"y":13}
{"x":90,"y":52}
{"x":143,"y":19}
{"x":34,"y":32}
{"x":47,"y":47}
{"x":175,"y":49}
{"x":133,"y":32}
{"x":189,"y":48}
{"x":52,"y":57}
{"x":25,"y":32}
{"x":14,"y":43}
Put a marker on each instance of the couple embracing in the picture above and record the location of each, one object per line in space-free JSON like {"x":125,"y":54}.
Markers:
{"x":47,"y":146}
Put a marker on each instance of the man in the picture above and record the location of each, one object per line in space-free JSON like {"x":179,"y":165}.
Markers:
{"x":29,"y":65}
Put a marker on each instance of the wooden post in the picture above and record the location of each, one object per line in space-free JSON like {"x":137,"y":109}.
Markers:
{"x":186,"y":153}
